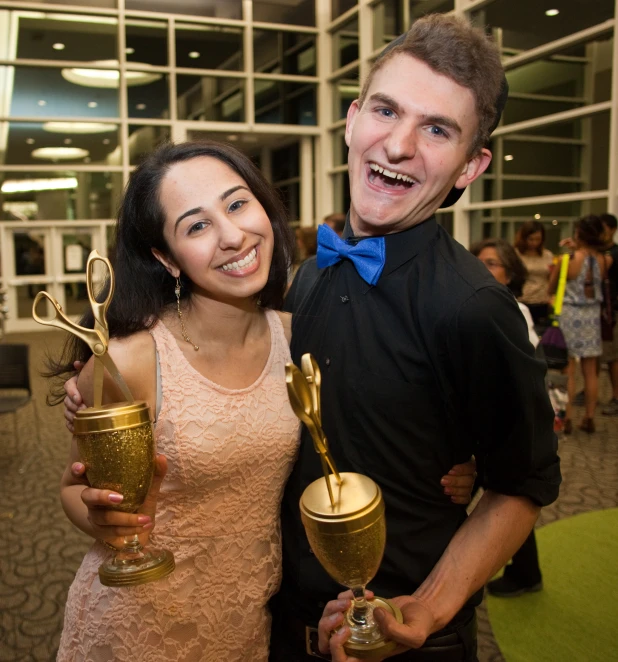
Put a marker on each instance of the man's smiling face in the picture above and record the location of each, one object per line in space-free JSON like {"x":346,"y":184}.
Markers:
{"x":409,"y":145}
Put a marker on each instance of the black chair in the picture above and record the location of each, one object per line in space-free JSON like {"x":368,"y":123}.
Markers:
{"x":15,"y":391}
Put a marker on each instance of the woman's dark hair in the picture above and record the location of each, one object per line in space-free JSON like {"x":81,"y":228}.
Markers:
{"x":515,"y":269}
{"x":590,"y":231}
{"x":528,"y":228}
{"x":143,"y":286}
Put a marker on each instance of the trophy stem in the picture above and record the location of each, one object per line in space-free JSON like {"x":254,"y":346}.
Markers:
{"x":360,"y":618}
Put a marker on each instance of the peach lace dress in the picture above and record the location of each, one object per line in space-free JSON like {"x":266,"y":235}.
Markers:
{"x":229,"y":455}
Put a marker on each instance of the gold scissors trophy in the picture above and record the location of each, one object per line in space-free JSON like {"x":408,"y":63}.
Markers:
{"x":116,"y":442}
{"x":345,"y":522}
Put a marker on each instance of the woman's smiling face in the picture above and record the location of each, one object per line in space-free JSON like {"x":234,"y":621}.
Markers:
{"x":217,"y":231}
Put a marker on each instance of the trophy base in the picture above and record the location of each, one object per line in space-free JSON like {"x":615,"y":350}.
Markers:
{"x":381,"y":647}
{"x":151,"y":565}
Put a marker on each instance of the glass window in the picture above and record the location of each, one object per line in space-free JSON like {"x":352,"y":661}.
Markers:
{"x":345,"y":44}
{"x":46,"y":92}
{"x":345,"y":91}
{"x":144,"y":139}
{"x":56,"y":37}
{"x":150,"y":100}
{"x":213,"y":8}
{"x":528,"y":189}
{"x":341,"y":187}
{"x":387,"y":22}
{"x":76,"y":247}
{"x":299,"y":12}
{"x":340,"y":149}
{"x":97,"y":141}
{"x":104,"y":4}
{"x":445,"y":219}
{"x":290,"y":194}
{"x":146,"y":42}
{"x":525,"y":24}
{"x":282,"y":52}
{"x":25,"y":299}
{"x":209,"y":47}
{"x":210,"y":98}
{"x":60,"y":195}
{"x":281,"y":102}
{"x":285,"y":163}
{"x":29,"y":253}
{"x":419,"y":8}
{"x":341,"y":6}
{"x":533,"y":158}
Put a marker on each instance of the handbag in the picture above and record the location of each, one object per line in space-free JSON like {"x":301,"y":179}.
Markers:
{"x":554,"y":344}
{"x":607,"y":314}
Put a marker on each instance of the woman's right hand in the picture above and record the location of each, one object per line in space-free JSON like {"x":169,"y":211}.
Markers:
{"x":73,"y":401}
{"x":112,"y":526}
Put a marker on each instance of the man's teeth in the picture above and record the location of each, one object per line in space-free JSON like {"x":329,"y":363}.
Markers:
{"x":389,"y":173}
{"x":241,"y":264}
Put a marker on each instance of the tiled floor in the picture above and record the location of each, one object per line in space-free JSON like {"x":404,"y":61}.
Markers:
{"x":40,"y":550}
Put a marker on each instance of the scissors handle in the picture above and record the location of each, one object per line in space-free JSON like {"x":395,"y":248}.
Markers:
{"x":99,"y":309}
{"x":92,"y":337}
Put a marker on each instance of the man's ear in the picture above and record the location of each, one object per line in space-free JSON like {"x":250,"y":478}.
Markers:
{"x":172,"y":269}
{"x":351,"y":118}
{"x":474,"y":168}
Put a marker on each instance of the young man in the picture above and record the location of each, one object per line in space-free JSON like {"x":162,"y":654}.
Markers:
{"x":425,"y":360}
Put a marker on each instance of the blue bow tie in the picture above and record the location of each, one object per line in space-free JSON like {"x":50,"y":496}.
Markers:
{"x":368,"y":255}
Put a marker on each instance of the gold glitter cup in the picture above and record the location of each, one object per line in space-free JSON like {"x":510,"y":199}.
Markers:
{"x":117,"y":447}
{"x":343,"y":516}
{"x":115,"y":442}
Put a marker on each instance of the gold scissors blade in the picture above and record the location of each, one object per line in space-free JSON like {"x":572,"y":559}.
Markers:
{"x":99,"y":308}
{"x":106,"y":360}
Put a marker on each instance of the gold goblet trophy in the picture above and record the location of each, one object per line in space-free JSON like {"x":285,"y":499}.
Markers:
{"x":343,"y":516}
{"x":115,"y":442}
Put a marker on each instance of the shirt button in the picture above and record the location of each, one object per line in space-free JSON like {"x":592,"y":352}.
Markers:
{"x":327,"y":361}
{"x":321,"y":605}
{"x":344,"y":299}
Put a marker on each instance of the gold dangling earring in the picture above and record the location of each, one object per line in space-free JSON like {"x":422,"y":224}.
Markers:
{"x":185,"y":335}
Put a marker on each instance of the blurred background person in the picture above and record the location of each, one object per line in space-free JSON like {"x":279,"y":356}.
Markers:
{"x":306,"y":247}
{"x":335,"y":222}
{"x":523,"y":575}
{"x":580,"y":320}
{"x":610,"y":347}
{"x":530,"y":246}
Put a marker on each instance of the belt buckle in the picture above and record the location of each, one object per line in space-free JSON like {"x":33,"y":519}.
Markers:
{"x":311,"y":643}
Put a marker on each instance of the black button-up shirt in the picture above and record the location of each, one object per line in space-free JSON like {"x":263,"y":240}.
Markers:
{"x":427,"y":368}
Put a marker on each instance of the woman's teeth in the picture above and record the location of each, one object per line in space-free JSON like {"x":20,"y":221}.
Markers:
{"x":241,"y":264}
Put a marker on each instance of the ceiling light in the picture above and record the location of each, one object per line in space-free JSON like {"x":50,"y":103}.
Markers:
{"x":537,"y":216}
{"x":67,"y":141}
{"x":92,"y":104}
{"x":509,"y":157}
{"x":232,"y":137}
{"x":141,"y":106}
{"x":106,"y":141}
{"x":109,"y":78}
{"x":552,"y":12}
{"x":27,"y":185}
{"x":554,"y":222}
{"x":60,"y":153}
{"x":87,"y":159}
{"x":58,"y":47}
{"x":78,"y":127}
{"x":42,"y":102}
{"x":30,"y":141}
{"x":129,"y":51}
{"x":194,"y":55}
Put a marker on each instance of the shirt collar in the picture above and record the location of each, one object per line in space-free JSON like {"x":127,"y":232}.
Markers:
{"x":400,"y":246}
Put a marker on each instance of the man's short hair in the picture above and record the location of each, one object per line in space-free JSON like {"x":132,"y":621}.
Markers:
{"x":609,"y":220}
{"x":451,"y":46}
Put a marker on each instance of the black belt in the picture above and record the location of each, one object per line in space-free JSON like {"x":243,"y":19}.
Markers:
{"x":456,"y":643}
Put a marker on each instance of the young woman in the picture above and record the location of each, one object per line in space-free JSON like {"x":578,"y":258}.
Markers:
{"x":529,"y":243}
{"x":581,"y":313}
{"x":201,"y":260}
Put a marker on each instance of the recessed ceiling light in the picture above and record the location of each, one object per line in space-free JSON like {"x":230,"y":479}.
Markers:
{"x":106,"y":141}
{"x":141,"y":106}
{"x":554,"y":222}
{"x":109,"y":185}
{"x":537,"y":216}
{"x":59,"y":153}
{"x":232,"y":137}
{"x":109,"y":78}
{"x":58,"y":47}
{"x":78,"y":127}
{"x":30,"y":141}
{"x":194,"y":55}
{"x":92,"y":104}
{"x":129,"y":51}
{"x":509,"y":157}
{"x":87,"y":159}
{"x":26,"y":185}
{"x":67,"y":141}
{"x":42,"y":102}
{"x":552,"y":12}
